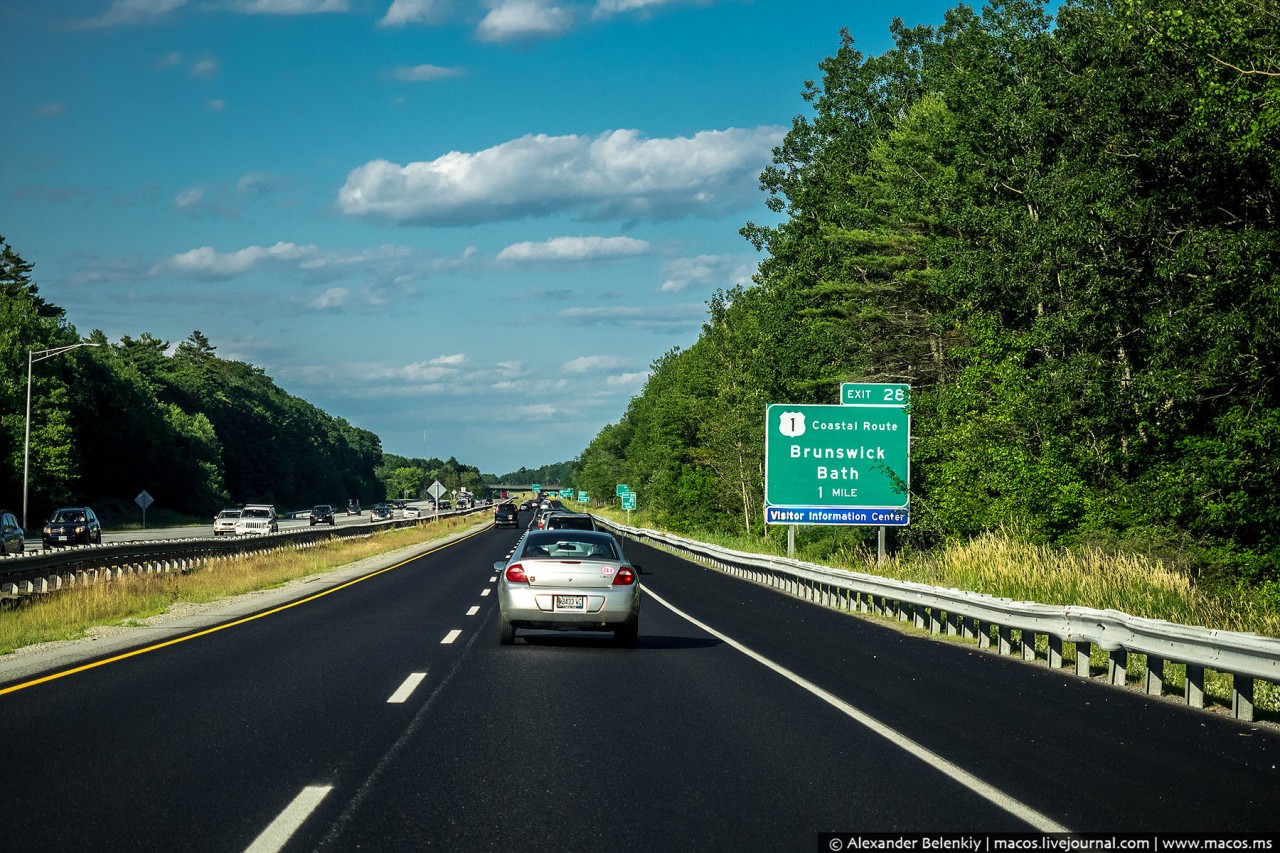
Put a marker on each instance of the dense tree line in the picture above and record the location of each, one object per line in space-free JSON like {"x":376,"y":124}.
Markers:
{"x":405,"y":477}
{"x":558,"y":474}
{"x":1063,"y":233}
{"x":194,"y":430}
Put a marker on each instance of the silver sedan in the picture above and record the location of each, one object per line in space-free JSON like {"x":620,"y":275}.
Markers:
{"x":569,"y":580}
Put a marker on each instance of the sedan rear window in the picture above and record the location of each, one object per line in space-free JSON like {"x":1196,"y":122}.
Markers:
{"x":569,"y":547}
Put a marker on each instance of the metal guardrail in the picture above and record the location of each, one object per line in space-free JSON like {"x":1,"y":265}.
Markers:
{"x":990,"y":620}
{"x":34,"y":573}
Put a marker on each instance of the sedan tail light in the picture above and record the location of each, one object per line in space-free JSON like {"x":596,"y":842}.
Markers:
{"x":515,"y":574}
{"x":624,"y":577}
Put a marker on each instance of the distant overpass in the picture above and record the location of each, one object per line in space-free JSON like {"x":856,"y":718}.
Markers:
{"x":523,"y":487}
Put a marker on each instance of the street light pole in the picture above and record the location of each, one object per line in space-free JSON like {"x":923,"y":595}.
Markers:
{"x":32,"y":357}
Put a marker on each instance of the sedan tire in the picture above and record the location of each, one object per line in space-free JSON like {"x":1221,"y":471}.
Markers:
{"x":506,"y":631}
{"x":627,"y":635}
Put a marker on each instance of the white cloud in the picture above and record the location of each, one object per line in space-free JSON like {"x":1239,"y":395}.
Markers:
{"x":609,"y":8}
{"x":574,"y":249}
{"x":123,"y":12}
{"x":334,"y":297}
{"x":216,"y":105}
{"x":661,"y":318}
{"x":538,"y":411}
{"x":706,"y":270}
{"x":593,"y":364}
{"x":524,"y":20}
{"x":189,"y":197}
{"x":616,"y":175}
{"x":417,"y":73}
{"x":627,"y":380}
{"x":290,"y":7}
{"x":404,"y":12}
{"x":205,"y":69}
{"x":207,"y":264}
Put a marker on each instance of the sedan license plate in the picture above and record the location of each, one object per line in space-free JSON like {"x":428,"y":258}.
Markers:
{"x":576,"y":603}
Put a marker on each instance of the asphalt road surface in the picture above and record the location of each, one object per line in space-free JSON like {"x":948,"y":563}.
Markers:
{"x":384,"y":715}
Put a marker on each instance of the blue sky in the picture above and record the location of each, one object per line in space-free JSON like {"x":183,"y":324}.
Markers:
{"x":468,"y":227}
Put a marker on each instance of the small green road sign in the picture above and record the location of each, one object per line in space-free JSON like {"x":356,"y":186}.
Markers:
{"x":623,"y":488}
{"x":537,"y":487}
{"x":629,"y":501}
{"x":583,"y":497}
{"x":846,"y":464}
{"x":874,"y":395}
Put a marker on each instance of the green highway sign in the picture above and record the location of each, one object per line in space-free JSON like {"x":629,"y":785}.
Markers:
{"x":623,"y":488}
{"x":583,"y":497}
{"x":846,"y":464}
{"x":873,"y":395}
{"x":629,"y":500}
{"x":537,"y":487}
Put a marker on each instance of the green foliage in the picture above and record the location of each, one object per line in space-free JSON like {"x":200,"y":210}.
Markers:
{"x":192,"y":429}
{"x":1064,"y":237}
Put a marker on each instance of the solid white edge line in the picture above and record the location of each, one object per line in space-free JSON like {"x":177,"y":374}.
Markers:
{"x":405,"y":690}
{"x":278,"y":833}
{"x":474,"y":610}
{"x":451,"y":636}
{"x":973,"y":783}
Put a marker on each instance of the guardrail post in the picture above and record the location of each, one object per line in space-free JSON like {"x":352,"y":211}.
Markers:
{"x":968,"y":628}
{"x":1117,"y":667}
{"x":1006,"y":640}
{"x":984,"y":636}
{"x":1195,"y":686}
{"x":917,"y":615}
{"x":1055,"y":651}
{"x":1028,"y":639}
{"x":953,"y":624}
{"x":1155,"y":676}
{"x":935,"y":622}
{"x":1083,"y":652}
{"x":1242,"y":697}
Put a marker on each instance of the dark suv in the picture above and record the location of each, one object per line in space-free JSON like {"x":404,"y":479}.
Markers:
{"x":506,"y":515}
{"x":72,"y":525}
{"x":322,"y":514}
{"x":11,"y":536}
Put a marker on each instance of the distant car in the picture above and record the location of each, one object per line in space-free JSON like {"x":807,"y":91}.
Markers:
{"x":71,"y":526}
{"x":412,"y":512}
{"x":322,"y":514}
{"x":569,"y":521}
{"x":446,"y":505}
{"x":505,"y":515}
{"x":225,"y":523}
{"x":381,"y":512}
{"x":257,"y":520}
{"x":12,"y":539}
{"x":569,"y":580}
{"x":353,"y":507}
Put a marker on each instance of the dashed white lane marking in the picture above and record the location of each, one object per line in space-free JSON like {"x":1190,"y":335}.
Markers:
{"x":484,"y":591}
{"x":405,"y":690}
{"x":973,"y":783}
{"x":473,"y":611}
{"x":493,"y":579}
{"x":278,"y":833}
{"x":451,"y":636}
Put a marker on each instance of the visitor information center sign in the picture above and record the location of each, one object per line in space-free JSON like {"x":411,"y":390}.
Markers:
{"x":846,"y":464}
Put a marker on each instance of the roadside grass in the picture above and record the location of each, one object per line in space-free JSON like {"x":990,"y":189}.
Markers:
{"x":71,"y":613}
{"x":1002,"y":564}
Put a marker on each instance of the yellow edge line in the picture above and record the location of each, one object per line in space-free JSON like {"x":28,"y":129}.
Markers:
{"x":88,"y":666}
